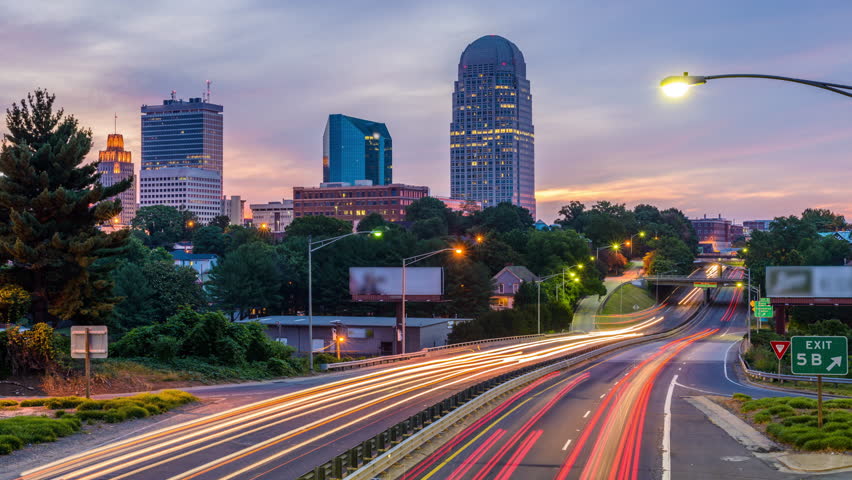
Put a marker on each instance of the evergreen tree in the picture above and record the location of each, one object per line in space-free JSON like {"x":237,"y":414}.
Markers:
{"x":51,"y":204}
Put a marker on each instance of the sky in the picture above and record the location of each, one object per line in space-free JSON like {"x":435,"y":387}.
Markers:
{"x":744,"y":149}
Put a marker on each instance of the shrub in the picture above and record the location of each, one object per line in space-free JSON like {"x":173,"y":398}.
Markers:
{"x":780,"y":409}
{"x":32,"y":351}
{"x":9,"y":443}
{"x":813,"y":434}
{"x":8,"y":403}
{"x":752,"y":405}
{"x":741,"y":397}
{"x":91,"y":415}
{"x":133,"y":411}
{"x":90,"y":405}
{"x":34,"y":402}
{"x":762,"y":417}
{"x":59,"y":413}
{"x":63,"y":402}
{"x":279,"y":367}
{"x":801,"y":402}
{"x":800,"y":420}
{"x":837,"y":442}
{"x":165,"y":348}
{"x":815,"y":444}
{"x":838,"y":403}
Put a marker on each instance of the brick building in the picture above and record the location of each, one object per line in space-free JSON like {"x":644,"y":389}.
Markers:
{"x":354,"y":202}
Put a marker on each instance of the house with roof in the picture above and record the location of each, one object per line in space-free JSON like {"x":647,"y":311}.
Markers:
{"x":507,"y":282}
{"x":202,"y":263}
{"x":845,"y":235}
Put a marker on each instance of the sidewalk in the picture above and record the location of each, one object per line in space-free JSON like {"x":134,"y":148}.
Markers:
{"x":587,"y":307}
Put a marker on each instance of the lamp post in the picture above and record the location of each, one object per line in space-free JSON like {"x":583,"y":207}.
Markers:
{"x":630,"y":242}
{"x":678,"y":86}
{"x":313,"y":246}
{"x":538,"y":284}
{"x":405,"y":263}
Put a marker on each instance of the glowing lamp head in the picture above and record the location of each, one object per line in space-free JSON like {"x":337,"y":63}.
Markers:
{"x":739,"y":284}
{"x":377,"y":135}
{"x":480,"y":239}
{"x":340,"y":339}
{"x":581,"y":266}
{"x":642,"y":234}
{"x":627,"y":243}
{"x":190,"y":224}
{"x":592,"y":258}
{"x":458,"y":251}
{"x":745,"y":249}
{"x":577,"y":280}
{"x":677,"y":86}
{"x":615,"y":246}
{"x":263,"y":226}
{"x":377,"y":233}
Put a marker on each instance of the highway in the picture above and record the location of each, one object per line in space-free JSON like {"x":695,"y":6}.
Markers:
{"x":285,"y":436}
{"x":622,"y":418}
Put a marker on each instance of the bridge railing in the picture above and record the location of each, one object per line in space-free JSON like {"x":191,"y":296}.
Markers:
{"x":761,"y":375}
{"x":367,"y":459}
{"x":369,"y":362}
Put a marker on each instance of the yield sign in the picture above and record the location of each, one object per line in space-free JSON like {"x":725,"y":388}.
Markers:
{"x":779,"y":347}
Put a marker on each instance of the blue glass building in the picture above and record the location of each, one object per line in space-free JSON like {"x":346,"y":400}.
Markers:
{"x":354,"y":149}
{"x":492,"y":156}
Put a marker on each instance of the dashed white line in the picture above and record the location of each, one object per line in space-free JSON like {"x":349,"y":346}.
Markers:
{"x":667,"y":432}
{"x":587,"y":413}
{"x":603,"y":395}
{"x":565,"y":447}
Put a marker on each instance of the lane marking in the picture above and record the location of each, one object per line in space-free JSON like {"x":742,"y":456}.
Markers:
{"x":565,"y":447}
{"x":700,"y":390}
{"x":587,"y":413}
{"x":667,"y":432}
{"x":603,"y":395}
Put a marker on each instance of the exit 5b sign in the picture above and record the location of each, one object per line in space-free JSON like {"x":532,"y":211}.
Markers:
{"x":820,"y":355}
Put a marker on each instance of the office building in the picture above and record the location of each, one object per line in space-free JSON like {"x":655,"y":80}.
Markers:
{"x":354,"y":149}
{"x":354,"y":202}
{"x":272,"y":216}
{"x":492,"y":157}
{"x":182,"y":136}
{"x":760,"y":225}
{"x":115,"y":165}
{"x":234,"y":208}
{"x":712,"y":229}
{"x":185,"y":188}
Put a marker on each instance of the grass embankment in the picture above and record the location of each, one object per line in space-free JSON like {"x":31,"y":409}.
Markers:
{"x":632,"y":295}
{"x":793,"y":421}
{"x":16,"y":432}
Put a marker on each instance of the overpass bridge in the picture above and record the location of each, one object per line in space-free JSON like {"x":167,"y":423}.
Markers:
{"x":692,"y":281}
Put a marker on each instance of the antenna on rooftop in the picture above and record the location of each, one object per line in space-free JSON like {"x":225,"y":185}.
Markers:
{"x":115,"y":123}
{"x":174,"y":94}
{"x":207,"y":97}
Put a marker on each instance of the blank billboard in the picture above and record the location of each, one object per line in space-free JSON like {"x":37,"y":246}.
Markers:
{"x":809,"y":282}
{"x":388,"y":281}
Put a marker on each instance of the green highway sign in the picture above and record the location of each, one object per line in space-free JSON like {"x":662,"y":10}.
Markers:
{"x":820,"y":355}
{"x":704,"y":285}
{"x":763,"y":309}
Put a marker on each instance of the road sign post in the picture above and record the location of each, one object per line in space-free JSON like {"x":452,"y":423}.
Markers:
{"x":88,"y":342}
{"x":779,"y":348}
{"x":820,"y":356}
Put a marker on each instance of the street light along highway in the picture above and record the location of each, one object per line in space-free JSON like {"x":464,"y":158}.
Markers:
{"x":679,"y":85}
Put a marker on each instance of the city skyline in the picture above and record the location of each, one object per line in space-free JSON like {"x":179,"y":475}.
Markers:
{"x":604,"y":131}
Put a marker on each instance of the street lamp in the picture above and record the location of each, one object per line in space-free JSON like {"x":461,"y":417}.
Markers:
{"x":678,"y":86}
{"x":538,"y":308}
{"x":313,"y":246}
{"x":629,"y":243}
{"x":405,"y":263}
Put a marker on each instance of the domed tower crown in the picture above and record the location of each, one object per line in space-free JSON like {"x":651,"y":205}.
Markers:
{"x":494,"y":50}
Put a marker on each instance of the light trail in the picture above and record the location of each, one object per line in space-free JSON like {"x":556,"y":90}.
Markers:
{"x":343,"y":404}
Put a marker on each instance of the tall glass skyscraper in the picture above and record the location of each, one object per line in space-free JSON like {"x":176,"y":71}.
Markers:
{"x":182,"y":135}
{"x":355,"y":149}
{"x":492,"y":156}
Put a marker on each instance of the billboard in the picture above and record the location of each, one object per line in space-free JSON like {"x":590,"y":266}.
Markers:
{"x":387,"y":281}
{"x":809,"y":282}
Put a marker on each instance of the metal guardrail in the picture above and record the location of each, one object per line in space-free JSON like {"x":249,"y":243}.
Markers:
{"x":357,"y":459}
{"x":793,"y":378}
{"x":369,"y":362}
